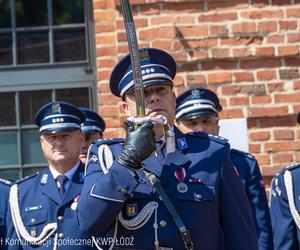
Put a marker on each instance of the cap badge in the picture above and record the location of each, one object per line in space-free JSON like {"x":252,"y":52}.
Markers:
{"x":144,"y":54}
{"x":56,"y":108}
{"x":195,"y":93}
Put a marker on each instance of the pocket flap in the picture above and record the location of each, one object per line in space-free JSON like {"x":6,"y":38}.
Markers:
{"x":35,"y":217}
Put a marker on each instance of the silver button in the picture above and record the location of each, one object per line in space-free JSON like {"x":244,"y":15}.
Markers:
{"x":60,"y":218}
{"x":61,"y":235}
{"x":197,"y":197}
{"x":32,"y":220}
{"x":163,"y":223}
{"x":124,"y":191}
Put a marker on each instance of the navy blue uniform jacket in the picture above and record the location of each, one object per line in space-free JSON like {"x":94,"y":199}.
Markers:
{"x":214,"y":201}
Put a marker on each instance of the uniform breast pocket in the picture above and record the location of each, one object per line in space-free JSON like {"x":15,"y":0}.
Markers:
{"x":198,"y":206}
{"x":143,"y":190}
{"x":35,"y":220}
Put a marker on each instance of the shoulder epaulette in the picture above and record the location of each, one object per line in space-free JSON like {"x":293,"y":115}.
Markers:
{"x":6,"y":182}
{"x":109,"y":141}
{"x":246,"y":154}
{"x":292,"y":167}
{"x":215,"y":138}
{"x":26,"y":178}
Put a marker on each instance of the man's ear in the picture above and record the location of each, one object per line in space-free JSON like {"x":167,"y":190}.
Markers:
{"x":125,"y":108}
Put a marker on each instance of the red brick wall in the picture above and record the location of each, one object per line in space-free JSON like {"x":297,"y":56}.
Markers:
{"x":246,"y":51}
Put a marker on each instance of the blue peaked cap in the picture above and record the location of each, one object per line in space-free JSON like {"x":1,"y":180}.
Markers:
{"x":158,"y":67}
{"x":197,"y":102}
{"x":93,"y":122}
{"x":57,"y":117}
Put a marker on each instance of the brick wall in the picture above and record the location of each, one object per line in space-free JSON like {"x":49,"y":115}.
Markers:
{"x":246,"y":51}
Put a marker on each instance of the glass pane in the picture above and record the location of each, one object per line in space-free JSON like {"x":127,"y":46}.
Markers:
{"x":10,"y":174}
{"x":8,"y":148}
{"x":4,"y":14}
{"x":5,"y":49}
{"x":33,"y":47}
{"x":68,"y":11}
{"x":31,"y":13}
{"x":69,"y":45}
{"x":31,"y":102}
{"x":8,"y":109}
{"x":79,"y":97}
{"x":30,"y":171}
{"x":31,"y":148}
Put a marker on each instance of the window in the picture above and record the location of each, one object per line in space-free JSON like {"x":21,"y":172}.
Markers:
{"x":46,"y":54}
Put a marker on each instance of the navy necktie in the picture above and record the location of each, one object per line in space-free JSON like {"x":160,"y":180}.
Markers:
{"x":61,"y":180}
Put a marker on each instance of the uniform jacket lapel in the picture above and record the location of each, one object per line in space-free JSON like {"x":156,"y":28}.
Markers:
{"x":50,"y":188}
{"x":75,"y":186}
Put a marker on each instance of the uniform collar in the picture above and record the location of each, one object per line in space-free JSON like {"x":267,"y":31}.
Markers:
{"x":69,"y":174}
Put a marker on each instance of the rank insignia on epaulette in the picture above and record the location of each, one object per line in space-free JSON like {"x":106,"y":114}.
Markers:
{"x":182,"y":143}
{"x":131,"y":209}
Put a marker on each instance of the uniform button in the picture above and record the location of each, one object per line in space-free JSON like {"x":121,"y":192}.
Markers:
{"x":124,"y":191}
{"x":197,"y":197}
{"x":163,"y":223}
{"x":61,"y":235}
{"x":32,"y":220}
{"x":60,"y":218}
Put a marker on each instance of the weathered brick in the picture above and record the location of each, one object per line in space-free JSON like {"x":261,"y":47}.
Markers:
{"x":223,"y":77}
{"x":293,"y":12}
{"x":283,"y":134}
{"x":106,"y":40}
{"x":195,"y":79}
{"x":296,"y":84}
{"x":288,"y":25}
{"x":286,"y":98}
{"x":293,"y":38}
{"x":263,"y":159}
{"x":161,"y":32}
{"x":149,"y":9}
{"x":108,"y":99}
{"x":217,"y":17}
{"x":104,"y":15}
{"x":282,"y":146}
{"x":290,"y":62}
{"x":267,"y":27}
{"x":276,"y":87}
{"x":287,"y":74}
{"x":242,"y":52}
{"x":238,"y":101}
{"x":104,"y":27}
{"x":275,"y":39}
{"x":264,"y":51}
{"x":185,"y":7}
{"x":291,"y":50}
{"x":202,"y":43}
{"x":260,"y":136}
{"x":261,"y":14}
{"x":219,"y":64}
{"x":254,"y":148}
{"x":267,"y":112}
{"x":219,"y":30}
{"x":243,"y":77}
{"x":192,"y":31}
{"x":220,"y":53}
{"x":231,"y":113}
{"x":282,"y":158}
{"x":266,"y":75}
{"x":244,"y":29}
{"x":261,"y":99}
{"x":258,"y":63}
{"x":239,"y":41}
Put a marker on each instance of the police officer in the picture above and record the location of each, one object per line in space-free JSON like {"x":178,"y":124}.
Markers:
{"x":92,"y":128}
{"x":4,"y":192}
{"x":197,"y":177}
{"x":43,"y":206}
{"x":285,"y":207}
{"x":197,"y":110}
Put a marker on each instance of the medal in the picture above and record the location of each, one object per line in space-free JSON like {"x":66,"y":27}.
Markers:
{"x":180,"y":176}
{"x":182,"y":187}
{"x":75,"y":203}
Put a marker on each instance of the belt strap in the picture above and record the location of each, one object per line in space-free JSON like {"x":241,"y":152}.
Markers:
{"x":184,"y":233}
